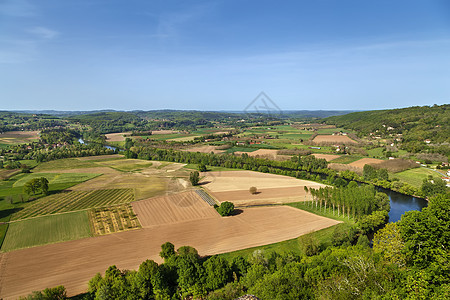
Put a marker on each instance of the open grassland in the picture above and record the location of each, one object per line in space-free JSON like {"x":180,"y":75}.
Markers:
{"x":126,"y":165}
{"x":113,"y":219}
{"x":416,"y":176}
{"x":56,"y":178}
{"x":172,"y":209}
{"x":339,"y":139}
{"x":75,"y":200}
{"x":234,"y":186}
{"x":346,"y":159}
{"x":127,"y":250}
{"x":45,"y":230}
{"x":18,"y":137}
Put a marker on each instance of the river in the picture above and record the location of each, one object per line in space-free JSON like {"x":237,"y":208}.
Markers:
{"x":81,"y":141}
{"x":401,"y":203}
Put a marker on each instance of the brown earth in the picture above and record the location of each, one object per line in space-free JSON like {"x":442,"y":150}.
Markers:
{"x":234,"y":186}
{"x":116,"y":137}
{"x":365,"y":161}
{"x":243,"y":198}
{"x":164,"y":132}
{"x":327,"y":157}
{"x":265,"y":153}
{"x":204,"y":149}
{"x":74,"y":263}
{"x":341,"y":139}
{"x":173,"y":208}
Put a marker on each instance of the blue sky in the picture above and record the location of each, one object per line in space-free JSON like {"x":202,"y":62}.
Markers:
{"x":219,"y":55}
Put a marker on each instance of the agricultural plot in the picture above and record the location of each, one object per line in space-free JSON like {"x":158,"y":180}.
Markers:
{"x":339,"y":139}
{"x":45,"y":230}
{"x":113,"y":219}
{"x":234,"y":186}
{"x":126,"y":165}
{"x":327,"y":157}
{"x":75,"y":200}
{"x":18,"y":137}
{"x":116,"y":137}
{"x":174,"y":208}
{"x":84,"y":258}
{"x":360,"y":163}
{"x":416,"y":176}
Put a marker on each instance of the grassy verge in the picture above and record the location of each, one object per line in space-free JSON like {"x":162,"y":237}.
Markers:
{"x":46,"y":230}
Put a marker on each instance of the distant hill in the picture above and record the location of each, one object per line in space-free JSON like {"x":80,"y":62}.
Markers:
{"x":415,"y":124}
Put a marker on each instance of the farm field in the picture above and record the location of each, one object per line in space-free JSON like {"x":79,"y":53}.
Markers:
{"x":204,"y":149}
{"x":21,"y":273}
{"x":116,"y":137}
{"x":126,"y":165}
{"x":416,"y":176}
{"x":173,"y":208}
{"x":234,"y":186}
{"x":365,"y":161}
{"x":342,"y":139}
{"x":113,"y":219}
{"x":18,"y":137}
{"x":327,"y":157}
{"x":56,"y":178}
{"x":45,"y":230}
{"x":75,"y":200}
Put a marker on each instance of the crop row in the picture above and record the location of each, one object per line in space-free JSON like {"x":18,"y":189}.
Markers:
{"x":113,"y":219}
{"x":75,"y":200}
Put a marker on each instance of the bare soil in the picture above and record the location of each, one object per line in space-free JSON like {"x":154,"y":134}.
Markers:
{"x":172,"y":209}
{"x":116,"y":137}
{"x":74,"y":263}
{"x":341,"y":139}
{"x":327,"y":157}
{"x":365,"y":161}
{"x":14,"y":137}
{"x":204,"y":149}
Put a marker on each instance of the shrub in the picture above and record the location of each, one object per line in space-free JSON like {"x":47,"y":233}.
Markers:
{"x":253,"y":190}
{"x":225,"y":209}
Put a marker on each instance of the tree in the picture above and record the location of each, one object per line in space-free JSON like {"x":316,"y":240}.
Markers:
{"x":194,"y":178}
{"x":389,"y":242}
{"x":225,"y":209}
{"x":167,"y":250}
{"x":201,"y":168}
{"x":36,"y":185}
{"x":253,"y":190}
{"x":218,"y":272}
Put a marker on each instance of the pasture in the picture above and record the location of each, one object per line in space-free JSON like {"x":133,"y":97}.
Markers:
{"x":416,"y":176}
{"x":84,"y":258}
{"x":234,"y":186}
{"x":45,"y":230}
{"x":56,"y":178}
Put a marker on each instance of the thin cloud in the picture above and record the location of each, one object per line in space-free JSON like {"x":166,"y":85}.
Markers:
{"x":44,"y":32}
{"x":17,"y":8}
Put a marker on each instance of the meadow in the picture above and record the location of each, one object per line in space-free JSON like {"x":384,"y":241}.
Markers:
{"x":416,"y":176}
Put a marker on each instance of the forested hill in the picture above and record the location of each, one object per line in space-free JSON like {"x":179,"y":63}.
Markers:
{"x":416,"y":124}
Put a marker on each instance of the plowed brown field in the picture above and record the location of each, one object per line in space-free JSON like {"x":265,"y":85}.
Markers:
{"x":234,"y":186}
{"x":171,"y":209}
{"x":333,"y":139}
{"x":74,"y":263}
{"x":365,"y":161}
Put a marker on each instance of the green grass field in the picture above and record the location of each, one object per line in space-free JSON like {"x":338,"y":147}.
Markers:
{"x":46,"y":230}
{"x":240,"y":149}
{"x":56,"y":178}
{"x":126,"y":165}
{"x":346,"y":159}
{"x":73,"y":201}
{"x":415,"y":176}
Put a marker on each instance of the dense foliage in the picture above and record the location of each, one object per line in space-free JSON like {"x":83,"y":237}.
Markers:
{"x":413,"y":124}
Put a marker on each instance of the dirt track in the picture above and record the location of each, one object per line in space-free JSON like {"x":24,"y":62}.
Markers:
{"x":74,"y":263}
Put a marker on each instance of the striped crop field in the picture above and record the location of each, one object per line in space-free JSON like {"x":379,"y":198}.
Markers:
{"x":74,"y":201}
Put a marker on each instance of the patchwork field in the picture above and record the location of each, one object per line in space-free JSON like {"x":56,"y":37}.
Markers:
{"x":341,"y":139}
{"x":234,"y":186}
{"x":45,"y":230}
{"x":75,"y":200}
{"x":74,"y":263}
{"x":172,"y":209}
{"x":18,"y":137}
{"x":113,"y":219}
